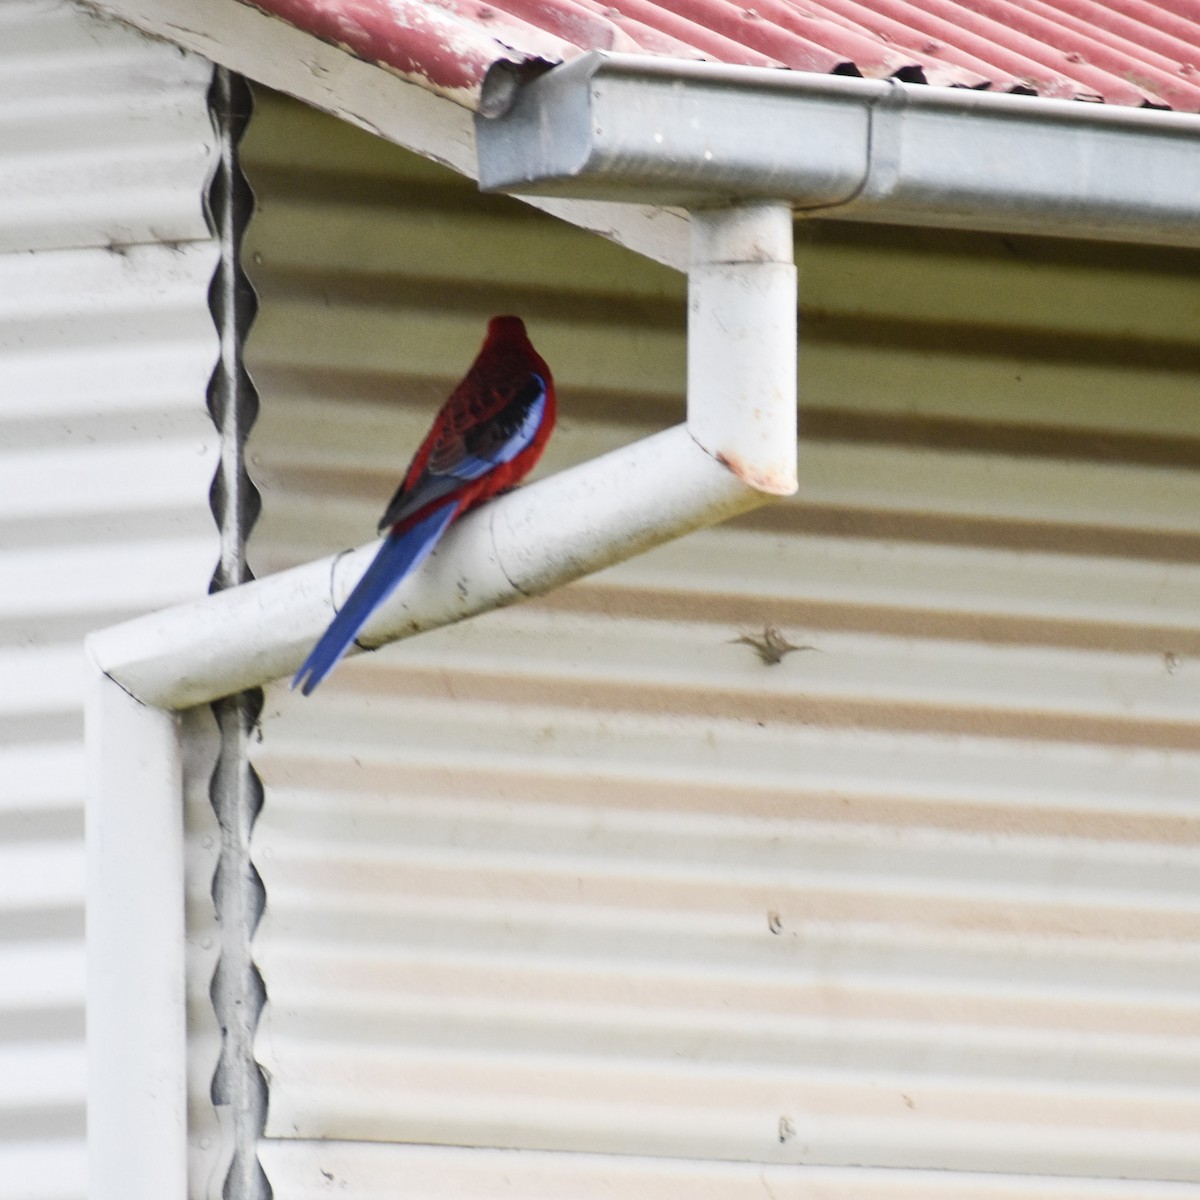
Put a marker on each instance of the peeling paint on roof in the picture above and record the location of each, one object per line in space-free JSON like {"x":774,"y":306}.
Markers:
{"x":445,"y":47}
{"x":1125,"y":52}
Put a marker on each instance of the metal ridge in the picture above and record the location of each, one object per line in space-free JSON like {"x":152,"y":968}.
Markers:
{"x":237,"y":989}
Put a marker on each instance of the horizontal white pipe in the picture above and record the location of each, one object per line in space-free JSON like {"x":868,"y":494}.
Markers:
{"x":522,"y":544}
{"x":136,"y":1012}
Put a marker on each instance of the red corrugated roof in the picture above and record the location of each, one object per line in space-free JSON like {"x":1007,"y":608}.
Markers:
{"x":1131,"y":52}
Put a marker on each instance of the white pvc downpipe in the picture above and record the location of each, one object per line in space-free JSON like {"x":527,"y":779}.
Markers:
{"x":737,"y":451}
{"x":742,"y":342}
{"x":136,"y":990}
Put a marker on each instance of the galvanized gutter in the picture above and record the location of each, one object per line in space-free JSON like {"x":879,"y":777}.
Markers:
{"x":653,"y":130}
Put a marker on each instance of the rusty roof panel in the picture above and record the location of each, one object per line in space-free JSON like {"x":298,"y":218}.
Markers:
{"x":447,"y":47}
{"x":1129,"y":52}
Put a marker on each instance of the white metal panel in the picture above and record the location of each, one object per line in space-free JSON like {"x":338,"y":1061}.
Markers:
{"x":563,"y":918}
{"x":314,"y":1169}
{"x":97,"y":128}
{"x":910,"y":912}
{"x":106,"y":452}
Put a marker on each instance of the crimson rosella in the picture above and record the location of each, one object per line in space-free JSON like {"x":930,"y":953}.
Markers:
{"x":487,"y":437}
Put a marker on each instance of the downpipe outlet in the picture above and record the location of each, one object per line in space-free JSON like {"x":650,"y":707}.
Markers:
{"x":741,"y":404}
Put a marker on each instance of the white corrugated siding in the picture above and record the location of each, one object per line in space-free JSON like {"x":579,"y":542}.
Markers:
{"x":83,"y":99}
{"x":106,"y":453}
{"x":913,"y":912}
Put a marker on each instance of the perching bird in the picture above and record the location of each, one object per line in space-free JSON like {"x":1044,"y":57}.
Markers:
{"x":487,"y":437}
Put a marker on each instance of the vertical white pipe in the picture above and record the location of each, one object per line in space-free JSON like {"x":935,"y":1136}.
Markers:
{"x":742,"y":342}
{"x":136,"y":1016}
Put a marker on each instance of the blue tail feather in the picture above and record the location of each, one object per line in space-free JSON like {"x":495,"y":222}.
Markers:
{"x":397,"y":557}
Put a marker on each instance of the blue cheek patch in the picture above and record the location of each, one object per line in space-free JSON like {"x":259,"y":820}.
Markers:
{"x":472,"y":467}
{"x":527,"y":430}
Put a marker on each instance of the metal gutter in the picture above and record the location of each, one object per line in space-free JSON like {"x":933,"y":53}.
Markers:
{"x":611,"y":126}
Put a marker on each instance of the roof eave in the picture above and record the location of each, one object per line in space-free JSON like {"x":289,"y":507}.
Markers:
{"x":656,"y":131}
{"x":270,"y":51}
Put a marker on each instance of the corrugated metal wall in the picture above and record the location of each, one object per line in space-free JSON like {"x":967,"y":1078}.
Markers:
{"x":106,"y":453}
{"x":911,"y":912}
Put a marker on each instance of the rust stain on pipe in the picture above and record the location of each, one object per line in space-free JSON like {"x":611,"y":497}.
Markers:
{"x":774,"y":482}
